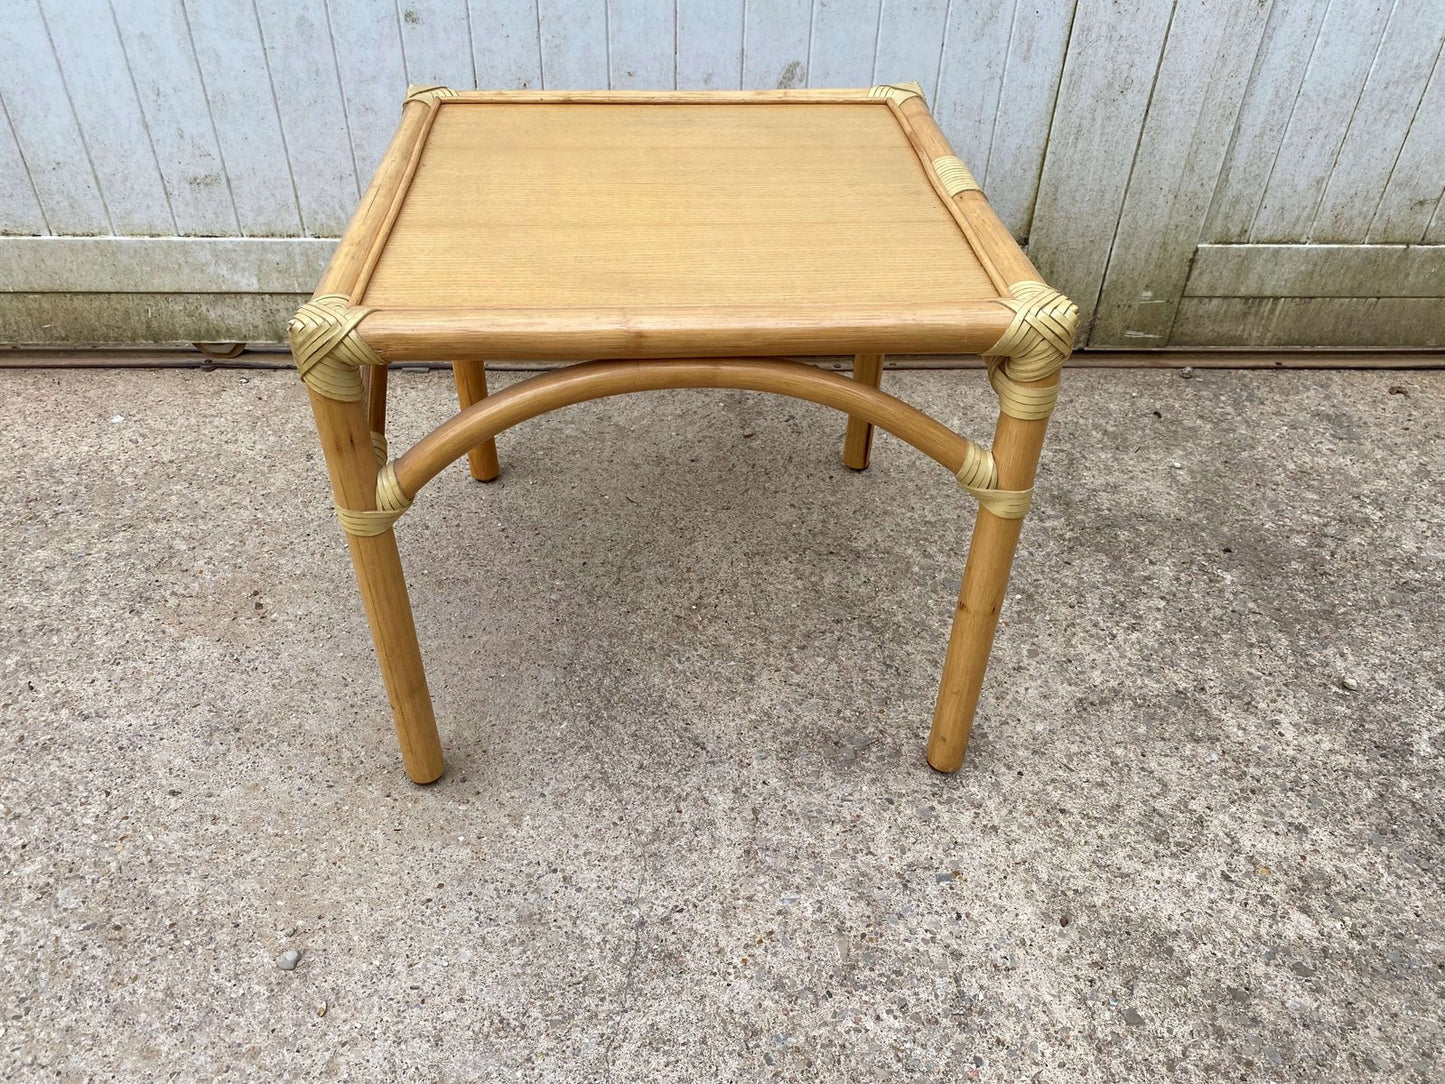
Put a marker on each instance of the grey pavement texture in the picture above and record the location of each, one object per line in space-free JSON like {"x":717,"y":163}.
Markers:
{"x":684,"y":665}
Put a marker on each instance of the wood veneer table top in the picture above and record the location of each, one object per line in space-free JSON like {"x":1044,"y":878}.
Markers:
{"x":671,"y":205}
{"x":640,"y":225}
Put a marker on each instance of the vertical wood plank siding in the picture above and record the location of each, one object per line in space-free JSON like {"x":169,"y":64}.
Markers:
{"x":263,"y":118}
{"x":1116,"y":136}
{"x":1114,"y":52}
{"x":1197,"y":89}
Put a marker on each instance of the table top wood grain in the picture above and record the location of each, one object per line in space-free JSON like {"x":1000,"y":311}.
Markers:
{"x":669,"y":224}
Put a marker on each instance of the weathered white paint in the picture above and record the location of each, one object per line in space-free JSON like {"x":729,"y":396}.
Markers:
{"x":573,"y":36}
{"x":1319,"y":271}
{"x":640,"y":36}
{"x":1338,"y":139}
{"x":164,"y":75}
{"x":1116,"y":135}
{"x":367,"y":55}
{"x":436,"y":41}
{"x":776,"y":35}
{"x":911,"y":42}
{"x":1284,"y":125}
{"x":1356,"y":322}
{"x":974,"y":58}
{"x":1382,"y":118}
{"x":239,"y":93}
{"x":1022,"y":125}
{"x":1108,"y":75}
{"x":163,"y":265}
{"x":19,"y":205}
{"x":709,"y":45}
{"x":504,"y":43}
{"x":1413,"y":195}
{"x":1343,"y":52}
{"x":312,"y":114}
{"x":840,"y":51}
{"x":89,"y":53}
{"x":1279,"y":65}
{"x":44,"y":125}
{"x":1197,"y":89}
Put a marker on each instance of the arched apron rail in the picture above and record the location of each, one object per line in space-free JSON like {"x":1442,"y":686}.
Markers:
{"x":600,"y":379}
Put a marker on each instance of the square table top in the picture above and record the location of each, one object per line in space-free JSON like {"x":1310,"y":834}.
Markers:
{"x":534,"y":224}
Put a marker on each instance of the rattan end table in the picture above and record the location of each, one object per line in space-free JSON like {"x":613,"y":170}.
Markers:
{"x":686,"y":240}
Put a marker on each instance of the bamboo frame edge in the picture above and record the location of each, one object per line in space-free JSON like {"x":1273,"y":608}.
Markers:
{"x":396,"y":335}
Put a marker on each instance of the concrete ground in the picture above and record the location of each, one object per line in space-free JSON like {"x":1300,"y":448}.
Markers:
{"x":684,"y":665}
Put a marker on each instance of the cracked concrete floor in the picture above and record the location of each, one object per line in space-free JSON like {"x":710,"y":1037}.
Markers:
{"x":684,"y":665}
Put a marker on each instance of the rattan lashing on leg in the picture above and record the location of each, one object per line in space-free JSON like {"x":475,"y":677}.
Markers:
{"x":1024,"y":371}
{"x":350,"y":446}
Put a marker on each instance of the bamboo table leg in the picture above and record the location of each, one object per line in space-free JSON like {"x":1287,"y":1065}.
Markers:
{"x":471,"y":378}
{"x":858,"y":441}
{"x":1016,"y":447}
{"x":346,"y":442}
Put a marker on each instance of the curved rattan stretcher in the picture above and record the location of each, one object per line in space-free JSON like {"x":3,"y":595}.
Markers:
{"x":344,"y":368}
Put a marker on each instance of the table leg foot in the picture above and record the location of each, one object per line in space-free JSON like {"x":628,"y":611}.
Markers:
{"x":1016,"y":446}
{"x":975,"y":620}
{"x":388,"y":609}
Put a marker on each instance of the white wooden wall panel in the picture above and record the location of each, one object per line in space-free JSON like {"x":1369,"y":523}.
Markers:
{"x":370,"y":65}
{"x":841,"y":48}
{"x":1197,"y":89}
{"x":1413,"y":195}
{"x":19,"y":206}
{"x":436,"y":42}
{"x":90,"y":55}
{"x":709,"y":44}
{"x":505,"y":44}
{"x":573,"y":36}
{"x":1344,"y":51}
{"x":1021,"y":127}
{"x":1340,"y":141}
{"x":1279,"y":66}
{"x":44,"y":124}
{"x":910,"y":43}
{"x":1104,"y":95}
{"x":1114,"y":135}
{"x":1317,"y":271}
{"x":776,"y":37}
{"x":166,"y":79}
{"x":641,"y":36}
{"x":1382,"y":119}
{"x":975,"y":57}
{"x":227,"y":42}
{"x":1358,"y":323}
{"x":304,"y":76}
{"x":1435,"y":232}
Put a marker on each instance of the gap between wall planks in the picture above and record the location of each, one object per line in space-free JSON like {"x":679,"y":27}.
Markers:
{"x":273,"y":356}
